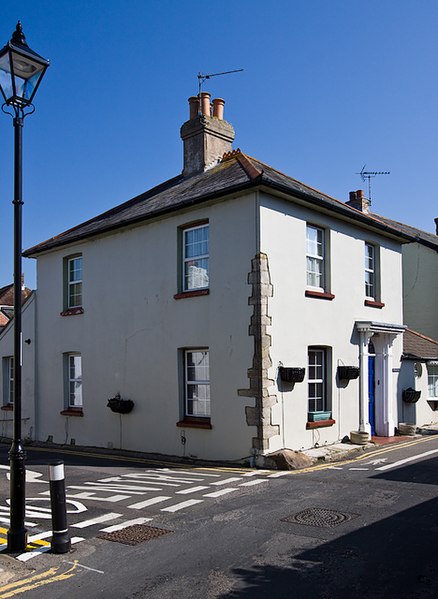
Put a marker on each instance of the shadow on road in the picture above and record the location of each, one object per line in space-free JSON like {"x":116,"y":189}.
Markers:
{"x":393,"y":558}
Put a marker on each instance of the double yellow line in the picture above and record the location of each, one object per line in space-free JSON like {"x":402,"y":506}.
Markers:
{"x":38,"y":580}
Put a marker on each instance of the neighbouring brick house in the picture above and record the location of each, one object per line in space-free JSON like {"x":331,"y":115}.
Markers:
{"x":237,"y":308}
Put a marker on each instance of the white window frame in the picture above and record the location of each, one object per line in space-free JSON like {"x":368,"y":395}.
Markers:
{"x":312,"y":398}
{"x":74,"y":283}
{"x":8,"y":373}
{"x":204,"y":257}
{"x":316,"y":258}
{"x":370,"y":271}
{"x":432,"y":380}
{"x":193,"y":410}
{"x":75,"y":381}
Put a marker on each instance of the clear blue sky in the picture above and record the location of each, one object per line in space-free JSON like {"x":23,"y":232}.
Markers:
{"x":328,"y":86}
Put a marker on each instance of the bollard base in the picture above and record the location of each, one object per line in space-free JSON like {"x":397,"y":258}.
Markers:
{"x":60,"y":543}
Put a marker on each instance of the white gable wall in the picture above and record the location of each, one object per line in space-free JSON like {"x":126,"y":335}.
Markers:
{"x":299,"y":322}
{"x":131,"y":330}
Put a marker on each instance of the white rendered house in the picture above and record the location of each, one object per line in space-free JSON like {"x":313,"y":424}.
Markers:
{"x":238,"y":310}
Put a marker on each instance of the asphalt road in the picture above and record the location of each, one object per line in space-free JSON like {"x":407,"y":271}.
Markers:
{"x":364,"y":528}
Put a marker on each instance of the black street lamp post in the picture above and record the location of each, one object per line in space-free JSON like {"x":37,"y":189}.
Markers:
{"x":21,"y":71}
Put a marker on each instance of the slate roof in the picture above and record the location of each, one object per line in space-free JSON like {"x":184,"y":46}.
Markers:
{"x":423,"y":237}
{"x":235,"y":172}
{"x":419,"y":347}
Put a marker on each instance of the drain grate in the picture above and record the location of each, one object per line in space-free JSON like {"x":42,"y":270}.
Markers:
{"x":321,"y":517}
{"x":135,"y":534}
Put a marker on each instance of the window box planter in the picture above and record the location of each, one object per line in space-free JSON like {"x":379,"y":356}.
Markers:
{"x":410,"y":395}
{"x":119,"y":405}
{"x":318,"y":416}
{"x":348,"y":373}
{"x":292,"y":375}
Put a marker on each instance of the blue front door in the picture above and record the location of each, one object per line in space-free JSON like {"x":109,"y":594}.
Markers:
{"x":371,"y":394}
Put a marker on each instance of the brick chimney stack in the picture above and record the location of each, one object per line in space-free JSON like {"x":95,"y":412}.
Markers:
{"x":206,"y":136}
{"x":359,"y":201}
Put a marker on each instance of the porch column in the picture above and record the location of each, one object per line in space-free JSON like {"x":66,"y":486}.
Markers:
{"x":388,"y":423}
{"x":364,"y":425}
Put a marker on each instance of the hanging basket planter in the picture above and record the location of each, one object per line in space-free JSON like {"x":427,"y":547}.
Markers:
{"x":292,"y":375}
{"x":348,"y":373}
{"x":411,"y":395}
{"x":119,"y":405}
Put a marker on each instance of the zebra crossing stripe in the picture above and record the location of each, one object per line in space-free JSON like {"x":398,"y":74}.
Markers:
{"x":191,"y":490}
{"x":148,"y":502}
{"x":221,"y":492}
{"x":251,"y":483}
{"x":226,"y":481}
{"x":257,"y":473}
{"x":98,"y":520}
{"x":181,"y":506}
{"x":123,"y":525}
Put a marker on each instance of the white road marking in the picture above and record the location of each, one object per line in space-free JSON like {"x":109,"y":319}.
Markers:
{"x":256,"y":472}
{"x":406,"y":460}
{"x":278,"y":474}
{"x":181,"y":506}
{"x":25,"y":557}
{"x":39,"y":536}
{"x":91,"y":497}
{"x":334,"y":468}
{"x":221,"y":492}
{"x":7,"y":520}
{"x":125,"y":524}
{"x":98,"y":520}
{"x":376,"y":462}
{"x":148,"y":502}
{"x":225,"y":481}
{"x":358,"y":468}
{"x":251,"y":483}
{"x":85,"y":567}
{"x":185,"y":472}
{"x":190,"y":490}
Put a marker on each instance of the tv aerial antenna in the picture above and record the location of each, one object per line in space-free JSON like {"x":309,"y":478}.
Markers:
{"x":202,"y":77}
{"x":370,"y":175}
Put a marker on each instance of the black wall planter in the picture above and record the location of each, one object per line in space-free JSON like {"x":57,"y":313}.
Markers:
{"x":119,"y":405}
{"x":410,"y":395}
{"x":348,"y":373}
{"x":292,"y":375}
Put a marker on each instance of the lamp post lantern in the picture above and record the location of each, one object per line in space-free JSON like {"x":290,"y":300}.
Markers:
{"x":21,"y":71}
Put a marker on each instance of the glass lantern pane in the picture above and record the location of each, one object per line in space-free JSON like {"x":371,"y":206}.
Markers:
{"x":5,"y":77}
{"x":27,"y":73}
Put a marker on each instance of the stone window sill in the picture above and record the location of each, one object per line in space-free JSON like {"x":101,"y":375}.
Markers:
{"x":72,"y":311}
{"x":319,"y":294}
{"x":320,"y":423}
{"x":9,"y":407}
{"x":194,"y":293}
{"x":195,"y":423}
{"x":72,"y":412}
{"x":373,"y":304}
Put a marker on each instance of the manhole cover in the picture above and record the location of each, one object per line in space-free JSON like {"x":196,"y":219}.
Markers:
{"x":316,"y":516}
{"x":135,"y":534}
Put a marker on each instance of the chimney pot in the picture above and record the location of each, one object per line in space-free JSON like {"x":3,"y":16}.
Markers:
{"x":194,"y":106}
{"x":207,"y":138}
{"x":359,"y":201}
{"x":218,"y":108}
{"x":205,"y":104}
